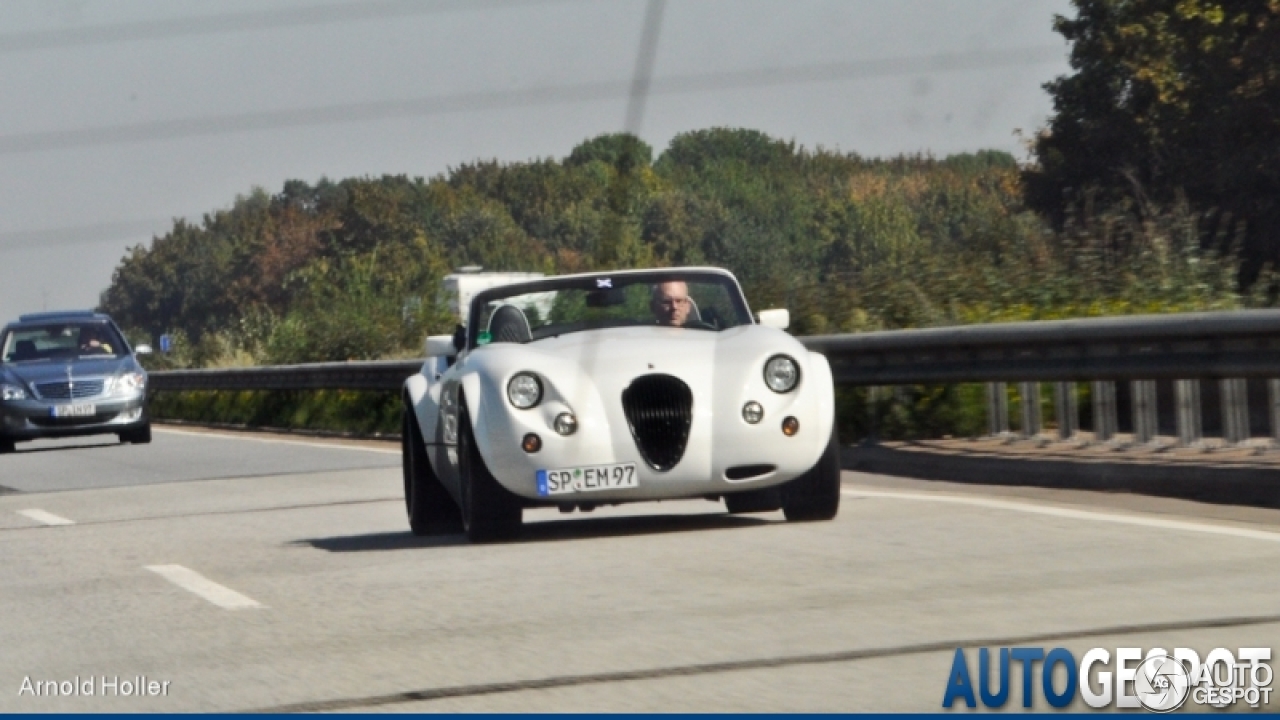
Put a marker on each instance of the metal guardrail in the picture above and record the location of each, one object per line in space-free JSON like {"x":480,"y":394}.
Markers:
{"x":1190,"y":347}
{"x":381,"y":375}
{"x":1144,"y":347}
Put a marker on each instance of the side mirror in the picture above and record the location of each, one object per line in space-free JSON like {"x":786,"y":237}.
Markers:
{"x":440,"y":346}
{"x":780,"y":319}
{"x":142,"y":350}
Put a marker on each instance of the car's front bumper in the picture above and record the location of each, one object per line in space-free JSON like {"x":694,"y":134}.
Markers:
{"x":31,"y":418}
{"x":718,"y":451}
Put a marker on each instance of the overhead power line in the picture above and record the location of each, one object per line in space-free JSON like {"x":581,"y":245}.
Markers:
{"x":179,"y":128}
{"x":303,"y":16}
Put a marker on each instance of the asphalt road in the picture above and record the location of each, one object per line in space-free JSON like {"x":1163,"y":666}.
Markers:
{"x":100,"y":461}
{"x":285,"y":578}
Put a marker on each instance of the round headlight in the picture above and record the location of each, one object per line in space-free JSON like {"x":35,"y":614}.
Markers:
{"x":566,"y":424}
{"x":752,"y":412}
{"x":524,"y":390}
{"x":781,"y":374}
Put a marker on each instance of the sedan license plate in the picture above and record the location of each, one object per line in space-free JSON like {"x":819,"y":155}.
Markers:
{"x":590,"y":478}
{"x":66,"y":411}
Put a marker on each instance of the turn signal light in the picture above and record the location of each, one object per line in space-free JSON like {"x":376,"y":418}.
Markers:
{"x":532,"y":443}
{"x":790,"y":426}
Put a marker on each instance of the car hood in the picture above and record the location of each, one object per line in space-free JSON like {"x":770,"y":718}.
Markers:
{"x":629,"y":352}
{"x":49,"y":370}
{"x":605,"y":362}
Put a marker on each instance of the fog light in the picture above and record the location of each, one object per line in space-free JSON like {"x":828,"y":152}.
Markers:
{"x":566,"y":423}
{"x":752,"y":412}
{"x":532,"y":443}
{"x":790,"y":426}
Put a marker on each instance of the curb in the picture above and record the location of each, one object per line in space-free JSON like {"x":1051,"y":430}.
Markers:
{"x":1258,"y":487}
{"x":299,"y":432}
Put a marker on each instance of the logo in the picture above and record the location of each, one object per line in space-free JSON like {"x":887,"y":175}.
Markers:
{"x":1158,"y":680}
{"x":1162,"y":683}
{"x":602,"y":283}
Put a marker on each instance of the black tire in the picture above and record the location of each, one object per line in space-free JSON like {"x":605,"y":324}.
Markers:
{"x":489,"y":511}
{"x":753,"y":501}
{"x":7,"y":446}
{"x":815,"y":495}
{"x":431,"y":511}
{"x":140,"y":436}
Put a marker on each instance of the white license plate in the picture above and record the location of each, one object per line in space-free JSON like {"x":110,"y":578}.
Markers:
{"x":65,"y":411}
{"x":589,"y":478}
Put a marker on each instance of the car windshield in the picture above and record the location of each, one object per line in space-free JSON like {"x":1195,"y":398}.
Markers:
{"x":62,"y":340}
{"x":556,"y":306}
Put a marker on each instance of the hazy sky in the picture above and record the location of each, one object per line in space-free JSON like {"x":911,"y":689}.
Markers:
{"x":119,"y":116}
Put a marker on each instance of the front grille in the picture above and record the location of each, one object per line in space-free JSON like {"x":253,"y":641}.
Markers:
{"x":659,"y":410}
{"x":63,"y":390}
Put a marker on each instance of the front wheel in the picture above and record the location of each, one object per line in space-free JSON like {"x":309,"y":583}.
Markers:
{"x":815,"y":495}
{"x":7,"y":446}
{"x":489,"y":511}
{"x":431,"y":511}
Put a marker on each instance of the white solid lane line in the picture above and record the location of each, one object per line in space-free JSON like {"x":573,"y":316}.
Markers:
{"x":277,"y":441}
{"x":1027,"y":507}
{"x":45,"y":518}
{"x":193,"y":581}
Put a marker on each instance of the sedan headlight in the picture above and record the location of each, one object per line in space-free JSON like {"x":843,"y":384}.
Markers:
{"x":524,"y":390}
{"x":781,"y":374}
{"x":130,"y":382}
{"x":12,"y":392}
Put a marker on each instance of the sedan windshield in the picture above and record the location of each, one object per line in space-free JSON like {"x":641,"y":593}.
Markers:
{"x":64,"y":340}
{"x":556,"y":306}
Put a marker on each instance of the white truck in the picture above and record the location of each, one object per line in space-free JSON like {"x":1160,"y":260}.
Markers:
{"x":469,"y":280}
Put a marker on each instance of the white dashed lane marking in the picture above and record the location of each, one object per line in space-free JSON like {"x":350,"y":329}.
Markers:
{"x":194,"y":582}
{"x":1027,"y":507}
{"x":45,"y":518}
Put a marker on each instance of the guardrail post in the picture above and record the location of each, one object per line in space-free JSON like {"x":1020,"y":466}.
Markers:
{"x":873,"y":413}
{"x":1066,"y":408}
{"x":1235,"y":411}
{"x":1273,"y":396}
{"x":997,"y":409}
{"x":1104,"y":410}
{"x":1144,"y":411}
{"x":1190,"y":429}
{"x":1029,"y":393}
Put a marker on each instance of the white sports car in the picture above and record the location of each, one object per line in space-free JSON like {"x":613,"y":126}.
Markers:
{"x":605,"y":388}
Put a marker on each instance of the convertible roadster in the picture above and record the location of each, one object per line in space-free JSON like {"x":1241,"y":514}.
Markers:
{"x":606,"y":388}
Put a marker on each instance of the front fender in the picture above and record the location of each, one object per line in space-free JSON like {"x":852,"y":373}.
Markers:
{"x":821,"y":368}
{"x":422,"y":392}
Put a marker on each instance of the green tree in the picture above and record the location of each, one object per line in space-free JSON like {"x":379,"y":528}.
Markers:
{"x":1168,"y":98}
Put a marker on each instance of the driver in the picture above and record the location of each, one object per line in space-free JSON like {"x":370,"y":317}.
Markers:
{"x":91,"y":341}
{"x":670,"y":303}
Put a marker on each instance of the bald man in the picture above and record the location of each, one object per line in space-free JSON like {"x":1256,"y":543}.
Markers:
{"x":670,"y":303}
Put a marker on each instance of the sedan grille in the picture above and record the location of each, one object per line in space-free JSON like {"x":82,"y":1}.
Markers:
{"x":659,"y":409}
{"x":63,"y":390}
